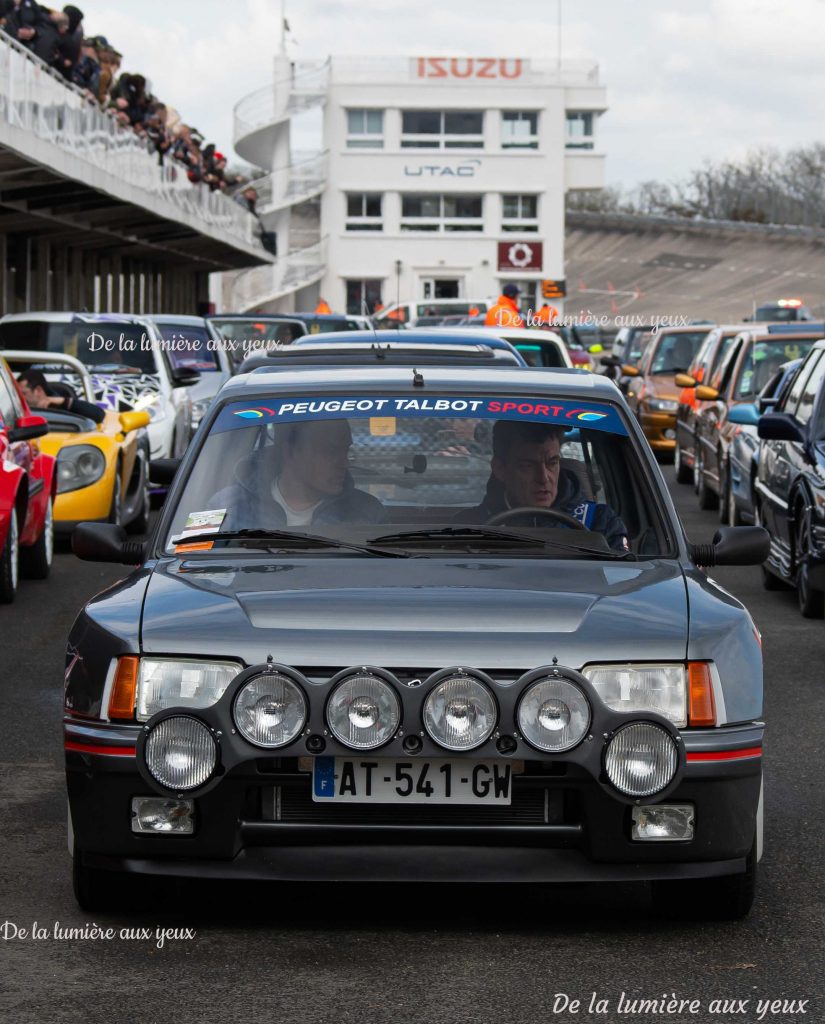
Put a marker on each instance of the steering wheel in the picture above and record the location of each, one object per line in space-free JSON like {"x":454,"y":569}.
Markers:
{"x":534,"y":510}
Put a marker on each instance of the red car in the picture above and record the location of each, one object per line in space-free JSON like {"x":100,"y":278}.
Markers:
{"x":27,"y":489}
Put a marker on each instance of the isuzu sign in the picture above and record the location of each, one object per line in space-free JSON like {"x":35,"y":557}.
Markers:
{"x":469,"y":67}
{"x":520,"y":255}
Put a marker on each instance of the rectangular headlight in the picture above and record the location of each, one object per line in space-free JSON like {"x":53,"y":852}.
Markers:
{"x":658,"y":688}
{"x":166,"y":683}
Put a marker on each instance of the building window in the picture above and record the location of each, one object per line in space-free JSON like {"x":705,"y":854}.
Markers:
{"x":363,"y":296}
{"x":519,"y":129}
{"x":441,"y":213}
{"x":519,"y":213}
{"x":364,"y":211}
{"x":579,"y":130}
{"x":365,"y":129}
{"x":442,"y":129}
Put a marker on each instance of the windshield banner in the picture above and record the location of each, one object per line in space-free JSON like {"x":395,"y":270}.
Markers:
{"x":571,"y":415}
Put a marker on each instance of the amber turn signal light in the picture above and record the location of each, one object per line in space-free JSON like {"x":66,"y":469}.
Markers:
{"x":701,"y":705}
{"x":122,"y":699}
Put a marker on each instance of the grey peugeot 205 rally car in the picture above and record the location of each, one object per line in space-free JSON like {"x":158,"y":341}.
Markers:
{"x":437,"y":624}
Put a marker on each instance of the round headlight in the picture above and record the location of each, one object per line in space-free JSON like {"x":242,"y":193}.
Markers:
{"x":554,"y":715}
{"x":460,"y":713}
{"x":641,"y":759}
{"x":363,"y":712}
{"x":180,"y":753}
{"x":270,"y":710}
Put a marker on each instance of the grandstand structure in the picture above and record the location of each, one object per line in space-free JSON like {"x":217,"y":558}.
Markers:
{"x":89,"y":217}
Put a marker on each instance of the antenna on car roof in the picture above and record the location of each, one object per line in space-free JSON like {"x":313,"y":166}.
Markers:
{"x":418,"y":379}
{"x":365,"y":312}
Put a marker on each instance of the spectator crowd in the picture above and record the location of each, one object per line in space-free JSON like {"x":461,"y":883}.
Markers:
{"x":93,"y":65}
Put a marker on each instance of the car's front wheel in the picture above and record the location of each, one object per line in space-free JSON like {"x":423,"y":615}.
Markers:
{"x":704,"y":495}
{"x":727,"y":898}
{"x":9,"y":562}
{"x":684,"y":473}
{"x":36,"y":561}
{"x":811,"y":600}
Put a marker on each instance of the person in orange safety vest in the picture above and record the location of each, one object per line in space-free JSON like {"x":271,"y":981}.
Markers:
{"x":505,"y":313}
{"x":322,"y":307}
{"x":546,"y":315}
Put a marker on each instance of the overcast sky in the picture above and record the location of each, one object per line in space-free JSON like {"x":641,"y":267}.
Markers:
{"x":686,"y":80}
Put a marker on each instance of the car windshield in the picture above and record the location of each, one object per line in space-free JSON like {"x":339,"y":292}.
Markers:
{"x":675,"y":351}
{"x":190,"y":347}
{"x":761,"y":362}
{"x":114,"y":345}
{"x":421,"y":474}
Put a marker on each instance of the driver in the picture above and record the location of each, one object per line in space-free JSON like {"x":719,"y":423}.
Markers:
{"x":527,"y":473}
{"x":302,"y":481}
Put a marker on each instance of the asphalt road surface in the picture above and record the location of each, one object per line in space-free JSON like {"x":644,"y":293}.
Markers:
{"x":377,"y":954}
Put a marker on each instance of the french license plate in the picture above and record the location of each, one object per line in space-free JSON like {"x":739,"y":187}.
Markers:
{"x":373,"y":781}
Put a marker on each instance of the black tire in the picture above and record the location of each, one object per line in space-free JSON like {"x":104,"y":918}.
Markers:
{"x":36,"y":561}
{"x":726,"y":499}
{"x":811,"y":601}
{"x":727,"y":898}
{"x":94,"y":889}
{"x":116,"y":508}
{"x":9,"y":562}
{"x":704,"y":495}
{"x":140,"y":524}
{"x":684,"y":473}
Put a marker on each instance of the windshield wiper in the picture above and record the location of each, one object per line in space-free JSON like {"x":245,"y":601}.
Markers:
{"x":467,"y":534}
{"x":292,"y":537}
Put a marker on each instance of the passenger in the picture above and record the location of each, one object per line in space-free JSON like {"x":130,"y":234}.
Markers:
{"x":302,"y":481}
{"x":527,"y":473}
{"x":40,"y":395}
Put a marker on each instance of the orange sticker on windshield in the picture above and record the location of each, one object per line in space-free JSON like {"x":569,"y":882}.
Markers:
{"x":382,"y":426}
{"x":204,"y":545}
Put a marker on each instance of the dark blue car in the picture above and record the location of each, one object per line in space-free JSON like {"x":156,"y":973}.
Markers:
{"x":790,"y":487}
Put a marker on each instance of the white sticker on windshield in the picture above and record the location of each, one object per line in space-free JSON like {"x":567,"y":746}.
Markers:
{"x":203,"y":522}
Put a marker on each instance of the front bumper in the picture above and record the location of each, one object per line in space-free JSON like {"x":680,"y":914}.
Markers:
{"x":259,"y":822}
{"x":660,"y":430}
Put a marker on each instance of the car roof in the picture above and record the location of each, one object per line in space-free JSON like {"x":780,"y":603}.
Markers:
{"x":263,"y":317}
{"x":463,"y":379}
{"x":66,"y":317}
{"x":363,"y":354}
{"x":176,"y":318}
{"x":436,"y":336}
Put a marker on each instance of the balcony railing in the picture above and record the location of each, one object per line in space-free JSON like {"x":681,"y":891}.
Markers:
{"x":259,"y":285}
{"x":306,"y":87}
{"x":36,"y":100}
{"x":285,"y":186}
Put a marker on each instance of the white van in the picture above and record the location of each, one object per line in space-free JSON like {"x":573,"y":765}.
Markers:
{"x":428,"y":312}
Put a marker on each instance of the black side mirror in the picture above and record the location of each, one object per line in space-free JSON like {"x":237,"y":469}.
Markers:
{"x":779,"y":426}
{"x":106,"y":542}
{"x":162,"y":471}
{"x":733,"y":545}
{"x":185,"y":378}
{"x":763,"y":404}
{"x":27,"y":428}
{"x":610,"y":361}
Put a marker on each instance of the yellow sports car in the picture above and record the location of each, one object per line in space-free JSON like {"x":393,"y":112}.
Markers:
{"x":102,"y":468}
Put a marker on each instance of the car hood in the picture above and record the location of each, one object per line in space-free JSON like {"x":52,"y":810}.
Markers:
{"x":428,"y":613}
{"x":210,"y":383}
{"x":662,"y":385}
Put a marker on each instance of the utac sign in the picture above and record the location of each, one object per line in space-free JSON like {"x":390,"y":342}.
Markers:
{"x":520,"y":255}
{"x":496,"y":68}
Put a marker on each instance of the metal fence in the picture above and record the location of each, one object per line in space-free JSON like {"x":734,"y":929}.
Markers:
{"x":35,"y":99}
